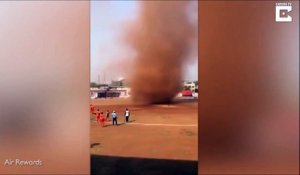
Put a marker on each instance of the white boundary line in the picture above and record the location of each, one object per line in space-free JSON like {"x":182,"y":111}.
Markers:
{"x":153,"y":124}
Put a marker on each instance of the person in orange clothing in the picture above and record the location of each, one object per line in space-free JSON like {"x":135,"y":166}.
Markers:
{"x":102,"y":119}
{"x":92,"y":108}
{"x":98,"y":116}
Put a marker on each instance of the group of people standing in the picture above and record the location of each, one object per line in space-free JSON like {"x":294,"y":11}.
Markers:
{"x":101,"y":118}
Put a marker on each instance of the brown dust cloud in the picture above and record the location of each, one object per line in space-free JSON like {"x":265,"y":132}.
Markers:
{"x":161,"y":38}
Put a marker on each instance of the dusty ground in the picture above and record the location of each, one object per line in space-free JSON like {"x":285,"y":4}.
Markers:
{"x":157,"y":132}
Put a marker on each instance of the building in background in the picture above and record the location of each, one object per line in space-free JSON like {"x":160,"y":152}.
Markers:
{"x":117,"y":88}
{"x":190,"y":85}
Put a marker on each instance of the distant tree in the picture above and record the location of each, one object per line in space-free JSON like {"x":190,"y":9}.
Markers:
{"x":186,"y":88}
{"x":115,"y":83}
{"x":126,"y":83}
{"x":93,"y":85}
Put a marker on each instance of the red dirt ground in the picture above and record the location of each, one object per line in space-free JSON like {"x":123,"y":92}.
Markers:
{"x":172,"y":140}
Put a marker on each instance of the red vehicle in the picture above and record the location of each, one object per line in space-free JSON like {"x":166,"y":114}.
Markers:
{"x":187,"y":93}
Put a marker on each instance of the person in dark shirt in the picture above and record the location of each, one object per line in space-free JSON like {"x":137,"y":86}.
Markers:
{"x":114,"y":118}
{"x":107,"y":115}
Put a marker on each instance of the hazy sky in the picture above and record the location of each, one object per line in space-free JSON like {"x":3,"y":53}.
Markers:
{"x":108,"y":19}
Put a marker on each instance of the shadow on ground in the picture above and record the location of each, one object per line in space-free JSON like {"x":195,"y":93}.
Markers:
{"x":110,"y":165}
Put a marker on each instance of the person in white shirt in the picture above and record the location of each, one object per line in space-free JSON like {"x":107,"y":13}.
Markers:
{"x":127,"y":115}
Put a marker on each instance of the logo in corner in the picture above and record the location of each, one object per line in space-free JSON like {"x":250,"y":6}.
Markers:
{"x":282,"y":11}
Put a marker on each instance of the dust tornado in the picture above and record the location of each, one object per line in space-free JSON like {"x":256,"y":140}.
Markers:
{"x":161,"y":38}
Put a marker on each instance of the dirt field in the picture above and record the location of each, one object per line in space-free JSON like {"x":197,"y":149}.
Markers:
{"x":156,"y":132}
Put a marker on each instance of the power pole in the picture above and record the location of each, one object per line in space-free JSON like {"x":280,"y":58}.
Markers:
{"x":104,"y":78}
{"x":98,"y":78}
